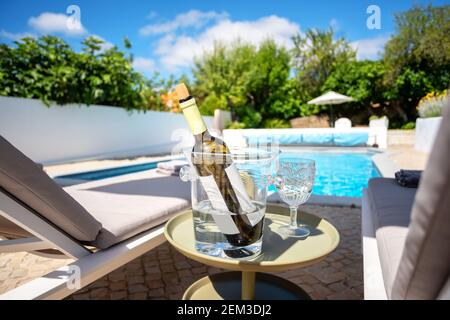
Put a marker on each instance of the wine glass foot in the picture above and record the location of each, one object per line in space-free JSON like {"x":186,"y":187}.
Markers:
{"x":297,"y":232}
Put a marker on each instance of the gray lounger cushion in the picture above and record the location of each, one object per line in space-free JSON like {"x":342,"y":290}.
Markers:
{"x":26,"y":181}
{"x":391,"y":206}
{"x":130,"y":204}
{"x":425,"y":264}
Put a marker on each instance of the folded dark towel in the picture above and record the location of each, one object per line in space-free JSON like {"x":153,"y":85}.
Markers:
{"x":408,"y":178}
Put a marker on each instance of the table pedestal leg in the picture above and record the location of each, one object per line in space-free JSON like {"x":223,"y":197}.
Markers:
{"x":248,"y":285}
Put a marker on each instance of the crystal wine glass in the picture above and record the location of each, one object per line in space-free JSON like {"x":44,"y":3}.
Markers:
{"x":294,"y":181}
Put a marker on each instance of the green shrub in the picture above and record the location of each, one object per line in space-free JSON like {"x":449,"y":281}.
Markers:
{"x":432,"y":104}
{"x":276,"y":123}
{"x":409,"y":125}
{"x":235,"y":125}
{"x":47,"y":68}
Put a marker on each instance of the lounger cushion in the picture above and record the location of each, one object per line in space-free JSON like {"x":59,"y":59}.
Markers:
{"x":425,"y":264}
{"x":27,"y":182}
{"x":391,"y":208}
{"x":130,"y":204}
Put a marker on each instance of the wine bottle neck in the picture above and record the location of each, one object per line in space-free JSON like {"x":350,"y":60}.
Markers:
{"x":193,"y":116}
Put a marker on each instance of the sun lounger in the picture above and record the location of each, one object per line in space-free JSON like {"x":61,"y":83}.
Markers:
{"x":102,"y":224}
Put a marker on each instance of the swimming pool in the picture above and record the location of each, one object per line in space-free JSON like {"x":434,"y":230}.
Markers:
{"x":342,"y":174}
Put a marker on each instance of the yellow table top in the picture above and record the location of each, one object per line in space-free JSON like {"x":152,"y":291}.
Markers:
{"x":278,"y":254}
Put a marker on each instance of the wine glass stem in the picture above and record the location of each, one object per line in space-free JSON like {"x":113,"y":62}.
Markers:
{"x":293,"y":210}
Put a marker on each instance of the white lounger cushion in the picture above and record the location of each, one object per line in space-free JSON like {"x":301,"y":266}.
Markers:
{"x":391,"y":208}
{"x":130,"y":204}
{"x":25,"y":181}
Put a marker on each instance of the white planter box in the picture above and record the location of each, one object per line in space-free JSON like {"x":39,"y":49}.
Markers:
{"x":58,"y":134}
{"x":426,"y":130}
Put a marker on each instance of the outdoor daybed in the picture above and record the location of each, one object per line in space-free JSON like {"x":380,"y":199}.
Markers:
{"x":406,"y":231}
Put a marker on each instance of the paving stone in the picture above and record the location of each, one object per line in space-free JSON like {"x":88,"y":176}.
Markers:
{"x":338,"y":287}
{"x":348,"y":294}
{"x":118,"y":295}
{"x":167,"y":268}
{"x":4,"y":262}
{"x":134,"y":265}
{"x":156,"y":293}
{"x":153,"y":276}
{"x":152,"y":269}
{"x":184,"y":273}
{"x":337,"y":265}
{"x":180,"y":265}
{"x":99,"y":284}
{"x":135,"y":279}
{"x":99,"y":293}
{"x":82,"y":296}
{"x":154,"y":284}
{"x":307,"y":279}
{"x":164,"y":273}
{"x":321,"y":289}
{"x":136,"y":288}
{"x":4,"y":275}
{"x":19,"y":273}
{"x":166,"y":261}
{"x":116,"y":276}
{"x":138,"y":296}
{"x":175,"y":296}
{"x":118,"y":285}
{"x":198,"y":270}
{"x":174,"y":290}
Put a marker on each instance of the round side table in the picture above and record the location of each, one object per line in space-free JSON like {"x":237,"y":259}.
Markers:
{"x":278,"y":254}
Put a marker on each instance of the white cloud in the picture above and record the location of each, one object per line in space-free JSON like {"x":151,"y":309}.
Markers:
{"x":49,"y":22}
{"x":179,"y":51}
{"x":16,"y":36}
{"x":192,"y":18}
{"x":143,"y":64}
{"x":369,"y":48}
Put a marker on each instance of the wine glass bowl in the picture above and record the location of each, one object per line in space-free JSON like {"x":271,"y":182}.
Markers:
{"x":294,"y":181}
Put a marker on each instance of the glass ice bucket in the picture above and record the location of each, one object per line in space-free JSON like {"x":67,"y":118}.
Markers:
{"x":229,"y":193}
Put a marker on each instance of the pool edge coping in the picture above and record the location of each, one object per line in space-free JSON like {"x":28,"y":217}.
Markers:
{"x":385,"y":166}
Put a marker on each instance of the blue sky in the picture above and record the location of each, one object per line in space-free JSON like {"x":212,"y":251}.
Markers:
{"x":167,"y":35}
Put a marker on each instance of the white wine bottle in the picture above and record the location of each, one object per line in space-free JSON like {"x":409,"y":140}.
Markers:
{"x":220,"y":179}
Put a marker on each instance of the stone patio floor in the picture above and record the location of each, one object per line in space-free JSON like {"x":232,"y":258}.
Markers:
{"x":163,"y":273}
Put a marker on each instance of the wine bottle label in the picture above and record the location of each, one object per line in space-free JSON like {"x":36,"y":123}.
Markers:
{"x":223,"y":220}
{"x":239,"y":189}
{"x":253,"y":216}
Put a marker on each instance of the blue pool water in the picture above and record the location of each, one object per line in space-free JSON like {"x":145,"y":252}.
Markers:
{"x":337,"y":173}
{"x":340,"y":173}
{"x":108,"y":173}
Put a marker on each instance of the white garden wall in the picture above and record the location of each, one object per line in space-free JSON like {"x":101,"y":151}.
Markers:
{"x":426,"y":130}
{"x":72,"y":132}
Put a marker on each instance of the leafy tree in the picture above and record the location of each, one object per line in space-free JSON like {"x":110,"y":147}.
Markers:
{"x":271,"y":91}
{"x":363,"y":81}
{"x":222,"y":77}
{"x":253,"y":83}
{"x":48,"y":69}
{"x":417,"y":57}
{"x":316,"y":54}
